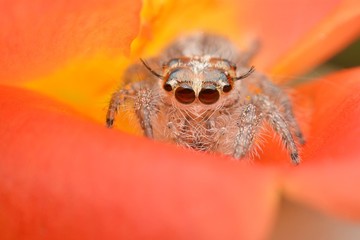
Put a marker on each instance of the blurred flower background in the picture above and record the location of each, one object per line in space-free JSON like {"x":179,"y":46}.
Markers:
{"x":63,"y":175}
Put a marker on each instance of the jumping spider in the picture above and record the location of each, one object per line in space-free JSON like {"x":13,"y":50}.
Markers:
{"x":206,"y":97}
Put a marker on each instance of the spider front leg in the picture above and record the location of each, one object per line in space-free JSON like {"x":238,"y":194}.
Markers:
{"x":250,"y":121}
{"x":248,"y":127}
{"x":146,"y":107}
{"x":117,"y":99}
{"x":292,"y":121}
{"x":271,"y":90}
{"x":280,"y":124}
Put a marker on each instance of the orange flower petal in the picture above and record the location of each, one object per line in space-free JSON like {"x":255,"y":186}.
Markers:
{"x":39,"y":36}
{"x":64,"y":177}
{"x":279,"y":24}
{"x":329,"y":177}
{"x":329,"y":36}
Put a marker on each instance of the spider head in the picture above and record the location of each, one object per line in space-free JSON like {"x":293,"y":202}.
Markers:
{"x":204,"y":79}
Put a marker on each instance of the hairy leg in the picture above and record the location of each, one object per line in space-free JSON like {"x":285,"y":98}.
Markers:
{"x":279,"y":123}
{"x":248,"y":126}
{"x":117,"y":99}
{"x":146,"y":107}
{"x":276,"y":94}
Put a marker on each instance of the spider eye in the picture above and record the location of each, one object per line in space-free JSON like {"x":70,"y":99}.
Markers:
{"x":185,"y":94}
{"x":167,"y":87}
{"x":209,"y":95}
{"x":227,"y":88}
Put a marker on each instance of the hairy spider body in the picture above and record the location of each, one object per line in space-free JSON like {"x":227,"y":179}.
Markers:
{"x":205,"y":97}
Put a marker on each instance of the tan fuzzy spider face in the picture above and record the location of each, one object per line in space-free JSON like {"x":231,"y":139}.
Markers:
{"x":196,"y":99}
{"x":198,"y":78}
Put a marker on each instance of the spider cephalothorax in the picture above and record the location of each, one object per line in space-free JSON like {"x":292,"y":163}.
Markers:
{"x":200,"y":77}
{"x":206,"y":97}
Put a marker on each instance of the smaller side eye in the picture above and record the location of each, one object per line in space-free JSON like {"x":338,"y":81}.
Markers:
{"x":185,"y":94}
{"x":168,"y":87}
{"x":209,"y":95}
{"x":227,"y":88}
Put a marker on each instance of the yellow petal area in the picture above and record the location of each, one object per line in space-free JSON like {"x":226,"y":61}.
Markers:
{"x":163,"y":21}
{"x":86,"y":85}
{"x":328,"y":37}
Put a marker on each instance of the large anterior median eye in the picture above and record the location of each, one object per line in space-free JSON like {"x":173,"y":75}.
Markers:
{"x":209,"y":95}
{"x":185,"y":94}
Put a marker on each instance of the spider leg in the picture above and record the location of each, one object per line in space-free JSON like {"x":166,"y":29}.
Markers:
{"x":291,"y":119}
{"x":248,"y":126}
{"x":146,"y":106}
{"x":277,"y":94}
{"x":279,"y":123}
{"x":117,"y":99}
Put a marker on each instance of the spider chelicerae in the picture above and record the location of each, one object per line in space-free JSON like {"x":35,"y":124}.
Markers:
{"x":201,"y":93}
